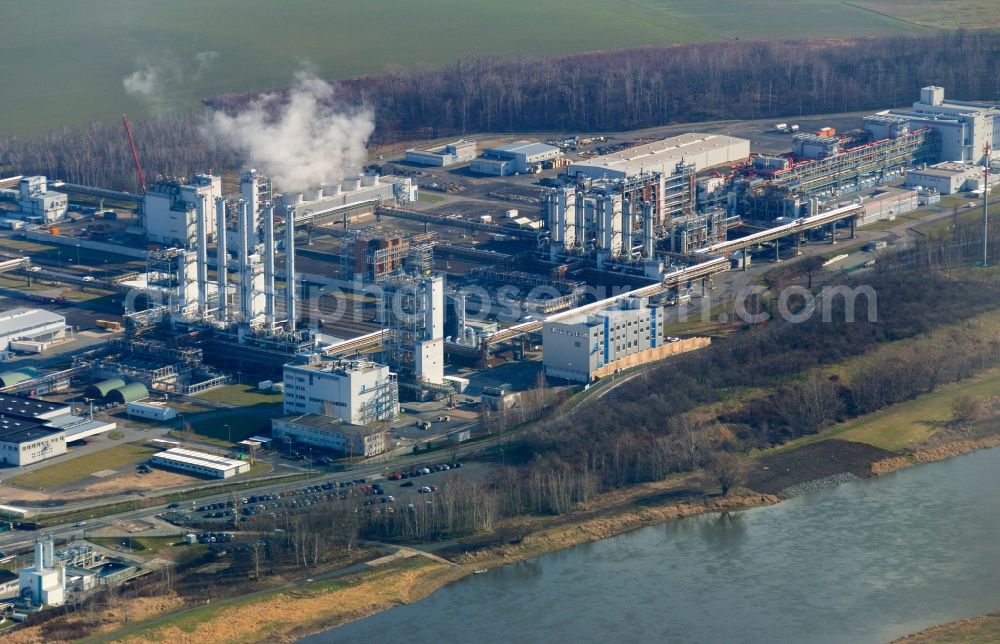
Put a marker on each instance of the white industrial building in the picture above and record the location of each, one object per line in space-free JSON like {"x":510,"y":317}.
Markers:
{"x":45,"y":581}
{"x":700,"y":150}
{"x":887,"y":203}
{"x":965,"y":127}
{"x":368,"y":189}
{"x":444,"y":155}
{"x":157,"y":411}
{"x":948,"y":177}
{"x":36,"y":200}
{"x":576,"y":347}
{"x":202,"y":463}
{"x":24,"y":441}
{"x":170,"y":209}
{"x":33,"y":430}
{"x":355,"y":391}
{"x":514,"y":158}
{"x":329,"y":433}
{"x":36,"y":325}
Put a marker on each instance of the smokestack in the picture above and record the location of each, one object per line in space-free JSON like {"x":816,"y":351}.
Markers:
{"x":202,"y":254}
{"x":269,"y":264}
{"x":290,"y":267}
{"x":39,"y":555}
{"x":221,"y":258}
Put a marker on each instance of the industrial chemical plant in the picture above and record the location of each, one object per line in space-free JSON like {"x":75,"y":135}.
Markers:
{"x":425,"y":302}
{"x":356,"y":296}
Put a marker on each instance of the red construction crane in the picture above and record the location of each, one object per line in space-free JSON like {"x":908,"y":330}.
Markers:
{"x":135,"y":155}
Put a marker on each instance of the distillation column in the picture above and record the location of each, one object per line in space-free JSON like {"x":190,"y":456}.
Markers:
{"x":201,"y":233}
{"x":269,"y":312}
{"x":290,"y":267}
{"x":221,"y":257}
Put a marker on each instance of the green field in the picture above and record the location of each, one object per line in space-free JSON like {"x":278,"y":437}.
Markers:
{"x":907,"y":424}
{"x":81,"y":52}
{"x":241,"y":395}
{"x":241,"y":425}
{"x":82,"y":467}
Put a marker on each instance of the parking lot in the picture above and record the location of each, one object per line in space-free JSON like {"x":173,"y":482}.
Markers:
{"x":392,"y":491}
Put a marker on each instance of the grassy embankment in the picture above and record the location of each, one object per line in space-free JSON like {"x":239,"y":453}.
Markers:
{"x":978,"y":629}
{"x":81,"y":467}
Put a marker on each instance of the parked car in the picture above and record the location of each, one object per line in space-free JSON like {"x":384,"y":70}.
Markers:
{"x":406,"y":484}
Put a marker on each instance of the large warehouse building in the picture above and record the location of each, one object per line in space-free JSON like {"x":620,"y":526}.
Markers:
{"x":701,"y":150}
{"x":35,"y":325}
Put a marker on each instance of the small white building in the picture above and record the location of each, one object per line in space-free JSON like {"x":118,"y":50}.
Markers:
{"x":147,"y":410}
{"x":355,"y":391}
{"x":24,"y":441}
{"x":444,"y":155}
{"x":946,"y":178}
{"x":36,"y":200}
{"x":22,"y":323}
{"x":514,"y":158}
{"x":202,"y":463}
{"x":577,"y":346}
{"x":329,"y":433}
{"x":45,"y":581}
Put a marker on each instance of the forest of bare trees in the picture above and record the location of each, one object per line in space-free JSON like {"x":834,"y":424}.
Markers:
{"x":599,"y":91}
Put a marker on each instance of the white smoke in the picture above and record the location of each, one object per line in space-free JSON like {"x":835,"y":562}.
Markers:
{"x":145,"y":83}
{"x":204,"y":61}
{"x":298,"y":138}
{"x":156,"y":80}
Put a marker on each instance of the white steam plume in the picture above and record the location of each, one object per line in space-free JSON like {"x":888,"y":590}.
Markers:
{"x":144,"y":83}
{"x":299,"y":138}
{"x":156,"y":80}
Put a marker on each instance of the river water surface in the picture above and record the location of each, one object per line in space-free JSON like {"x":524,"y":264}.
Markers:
{"x":863,"y":562}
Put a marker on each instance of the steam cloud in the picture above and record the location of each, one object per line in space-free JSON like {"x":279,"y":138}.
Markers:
{"x":144,"y":83}
{"x":298,"y":138}
{"x":155,"y":81}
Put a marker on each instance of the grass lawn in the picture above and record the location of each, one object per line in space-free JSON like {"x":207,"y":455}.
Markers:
{"x":241,"y":425}
{"x":949,"y":14}
{"x":82,"y":467}
{"x":429,"y":197}
{"x":139,"y":545}
{"x":907,"y":424}
{"x":240,"y":395}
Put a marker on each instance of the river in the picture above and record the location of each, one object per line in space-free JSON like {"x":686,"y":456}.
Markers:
{"x":863,"y":562}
